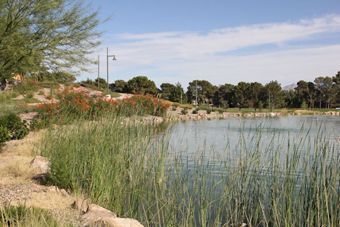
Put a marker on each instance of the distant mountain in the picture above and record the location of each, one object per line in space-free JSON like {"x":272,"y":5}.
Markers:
{"x":289,"y":87}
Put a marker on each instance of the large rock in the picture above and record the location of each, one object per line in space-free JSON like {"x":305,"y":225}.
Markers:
{"x":94,"y":215}
{"x":118,"y":222}
{"x":41,"y":163}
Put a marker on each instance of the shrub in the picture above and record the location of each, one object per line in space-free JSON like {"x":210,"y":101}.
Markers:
{"x":41,"y":92}
{"x":208,"y":111}
{"x":38,"y":124}
{"x":184,"y":111}
{"x":174,"y":108}
{"x":27,"y":86}
{"x":16,"y":128}
{"x":195,"y":111}
{"x":4,"y":135}
{"x":29,"y":95}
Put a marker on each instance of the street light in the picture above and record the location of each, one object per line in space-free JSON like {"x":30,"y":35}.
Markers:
{"x":107,"y":60}
{"x":98,"y":71}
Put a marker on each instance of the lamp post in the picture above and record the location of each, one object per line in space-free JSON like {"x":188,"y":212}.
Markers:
{"x":107,"y":60}
{"x":196,"y":94}
{"x":98,"y":71}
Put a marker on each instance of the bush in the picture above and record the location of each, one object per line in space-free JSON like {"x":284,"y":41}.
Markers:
{"x":38,"y":124}
{"x":174,"y":108}
{"x":184,"y":111}
{"x":16,"y":128}
{"x":29,"y":95}
{"x":4,"y":135}
{"x":208,"y":111}
{"x":195,"y":111}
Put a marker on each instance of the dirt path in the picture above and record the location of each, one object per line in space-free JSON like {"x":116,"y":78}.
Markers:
{"x":17,"y":186}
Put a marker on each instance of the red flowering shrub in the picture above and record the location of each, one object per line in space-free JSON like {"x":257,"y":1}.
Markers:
{"x":76,"y":102}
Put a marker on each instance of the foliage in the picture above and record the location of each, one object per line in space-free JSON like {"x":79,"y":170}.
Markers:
{"x":56,"y":77}
{"x":38,"y":124}
{"x":120,"y":86}
{"x":195,"y":111}
{"x":276,"y":98}
{"x":46,"y":35}
{"x":142,"y":85}
{"x":184,"y":111}
{"x":173,"y":93}
{"x":4,"y":135}
{"x":16,"y":128}
{"x":303,"y":105}
{"x":223,"y":97}
{"x":327,"y":89}
{"x":204,"y":89}
{"x":27,"y":86}
{"x":242,"y":94}
{"x":76,"y":103}
{"x":102,"y":83}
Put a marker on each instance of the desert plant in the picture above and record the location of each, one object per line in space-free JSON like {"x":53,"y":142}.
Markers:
{"x":4,"y":135}
{"x":16,"y":128}
{"x":184,"y":111}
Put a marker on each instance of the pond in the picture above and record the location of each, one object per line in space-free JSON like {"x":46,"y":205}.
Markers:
{"x":264,"y":171}
{"x":228,"y":134}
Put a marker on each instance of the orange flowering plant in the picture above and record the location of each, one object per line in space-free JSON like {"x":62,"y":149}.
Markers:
{"x":77,"y":102}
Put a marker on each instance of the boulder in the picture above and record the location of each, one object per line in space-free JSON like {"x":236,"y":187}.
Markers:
{"x":118,"y":222}
{"x":96,"y":213}
{"x":80,"y":205}
{"x":41,"y":163}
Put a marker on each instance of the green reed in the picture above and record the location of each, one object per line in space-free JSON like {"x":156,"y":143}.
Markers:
{"x":132,"y":170}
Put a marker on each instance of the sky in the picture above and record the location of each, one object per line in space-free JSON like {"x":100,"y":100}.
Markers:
{"x":220,"y":41}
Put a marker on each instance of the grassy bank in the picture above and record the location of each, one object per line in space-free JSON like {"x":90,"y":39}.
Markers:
{"x":131,"y":170}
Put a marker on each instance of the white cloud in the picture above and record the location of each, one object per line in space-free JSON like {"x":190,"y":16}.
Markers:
{"x":184,"y":56}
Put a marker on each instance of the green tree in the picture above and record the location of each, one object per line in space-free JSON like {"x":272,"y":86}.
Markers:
{"x":46,"y":35}
{"x":327,"y":89}
{"x":60,"y":77}
{"x":223,"y":97}
{"x":205,"y":91}
{"x":173,"y":93}
{"x":291,"y":99}
{"x":275,"y":95}
{"x":102,"y":83}
{"x":166,"y":90}
{"x":141,"y":84}
{"x":121,"y":86}
{"x":242,"y":94}
{"x":255,"y":94}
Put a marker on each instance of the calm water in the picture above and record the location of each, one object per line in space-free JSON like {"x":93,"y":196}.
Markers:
{"x":228,"y":138}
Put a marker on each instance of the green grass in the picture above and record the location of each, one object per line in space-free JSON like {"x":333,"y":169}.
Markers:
{"x":6,"y":98}
{"x":114,"y":94}
{"x":25,"y":216}
{"x":128,"y":168}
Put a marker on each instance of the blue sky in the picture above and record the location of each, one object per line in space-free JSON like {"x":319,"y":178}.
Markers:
{"x":219,"y":41}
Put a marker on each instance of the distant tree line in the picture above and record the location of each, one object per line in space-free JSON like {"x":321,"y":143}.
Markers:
{"x":323,"y":92}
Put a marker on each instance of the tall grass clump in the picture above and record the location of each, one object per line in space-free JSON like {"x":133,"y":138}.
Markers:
{"x":263,"y":179}
{"x":118,"y":166}
{"x":26,"y":216}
